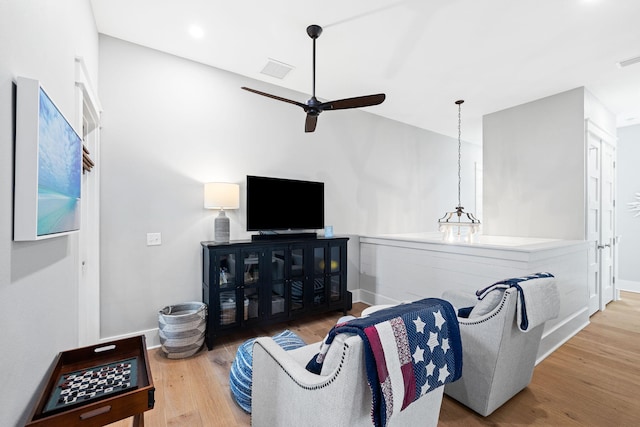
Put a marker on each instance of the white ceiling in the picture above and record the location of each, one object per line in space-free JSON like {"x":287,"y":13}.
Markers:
{"x":424,"y":54}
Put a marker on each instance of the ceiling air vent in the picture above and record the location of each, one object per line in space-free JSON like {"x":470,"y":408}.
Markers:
{"x":276,"y":69}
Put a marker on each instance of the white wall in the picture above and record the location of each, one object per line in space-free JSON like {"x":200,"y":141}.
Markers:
{"x":169,"y":125}
{"x":533,"y":161}
{"x":38,"y":280}
{"x":628,"y":176}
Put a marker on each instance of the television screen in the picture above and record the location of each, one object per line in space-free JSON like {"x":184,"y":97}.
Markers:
{"x":48,"y":167}
{"x":284,"y":204}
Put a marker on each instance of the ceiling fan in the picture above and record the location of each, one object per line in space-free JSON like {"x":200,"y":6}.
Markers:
{"x":313,"y":107}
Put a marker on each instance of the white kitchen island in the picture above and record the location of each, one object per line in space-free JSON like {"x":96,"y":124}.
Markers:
{"x":406,"y":267}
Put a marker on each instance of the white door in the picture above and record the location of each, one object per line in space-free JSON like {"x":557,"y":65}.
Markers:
{"x":593,"y":220}
{"x":89,"y":285}
{"x":607,"y":224}
{"x":600,"y":217}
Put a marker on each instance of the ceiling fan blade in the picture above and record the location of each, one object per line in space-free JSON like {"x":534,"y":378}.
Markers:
{"x":310,"y":123}
{"x":357,"y":102}
{"x":268,"y":95}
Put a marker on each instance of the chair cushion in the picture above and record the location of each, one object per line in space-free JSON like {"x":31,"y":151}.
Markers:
{"x":464,"y":312}
{"x":240,"y":376}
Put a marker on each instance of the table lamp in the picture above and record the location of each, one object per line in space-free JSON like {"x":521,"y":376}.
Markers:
{"x":221,"y":195}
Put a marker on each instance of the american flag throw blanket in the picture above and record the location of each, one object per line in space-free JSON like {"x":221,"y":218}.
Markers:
{"x":410,"y":349}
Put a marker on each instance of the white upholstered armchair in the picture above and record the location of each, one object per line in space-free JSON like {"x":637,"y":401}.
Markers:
{"x":498,"y":357}
{"x":286,"y":394}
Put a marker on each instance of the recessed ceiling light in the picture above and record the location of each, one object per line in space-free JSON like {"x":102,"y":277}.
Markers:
{"x":196,"y":32}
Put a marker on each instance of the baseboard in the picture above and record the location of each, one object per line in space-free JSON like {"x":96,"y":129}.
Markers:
{"x":628,"y":285}
{"x":372,"y":298}
{"x":151,"y":336}
{"x":551,"y":339}
{"x":355,"y":296}
{"x":561,"y":333}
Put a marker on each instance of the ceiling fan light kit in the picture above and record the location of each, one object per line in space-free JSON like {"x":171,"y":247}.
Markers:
{"x":458,"y":225}
{"x":313,"y":107}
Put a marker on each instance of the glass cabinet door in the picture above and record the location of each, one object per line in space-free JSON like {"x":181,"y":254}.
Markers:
{"x":277,"y":262}
{"x":250,"y":304}
{"x":227,"y":269}
{"x":335,"y":274}
{"x":228,"y":308}
{"x":227,"y":297}
{"x":297,"y":278}
{"x":319,"y":269}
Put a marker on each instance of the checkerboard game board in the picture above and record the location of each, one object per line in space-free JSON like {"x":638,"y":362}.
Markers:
{"x":95,"y":383}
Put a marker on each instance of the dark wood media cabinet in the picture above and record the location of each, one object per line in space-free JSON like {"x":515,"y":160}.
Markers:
{"x":250,"y":283}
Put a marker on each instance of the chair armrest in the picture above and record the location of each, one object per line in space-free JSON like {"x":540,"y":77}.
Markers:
{"x":460,"y":299}
{"x":270,"y":360}
{"x":304,"y":354}
{"x":284,"y":393}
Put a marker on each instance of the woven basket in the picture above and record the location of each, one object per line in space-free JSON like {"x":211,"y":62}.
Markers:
{"x":181,"y":329}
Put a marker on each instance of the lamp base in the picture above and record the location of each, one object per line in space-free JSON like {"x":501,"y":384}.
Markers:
{"x":221,"y":228}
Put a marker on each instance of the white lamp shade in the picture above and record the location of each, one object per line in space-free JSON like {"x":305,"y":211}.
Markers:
{"x":221,"y":195}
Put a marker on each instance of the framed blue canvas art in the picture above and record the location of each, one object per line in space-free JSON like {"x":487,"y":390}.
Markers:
{"x":48,"y":167}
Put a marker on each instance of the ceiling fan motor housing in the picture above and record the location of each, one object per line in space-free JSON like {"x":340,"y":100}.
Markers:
{"x":314,"y":31}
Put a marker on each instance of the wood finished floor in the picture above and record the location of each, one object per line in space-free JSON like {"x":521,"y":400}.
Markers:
{"x":592,"y":380}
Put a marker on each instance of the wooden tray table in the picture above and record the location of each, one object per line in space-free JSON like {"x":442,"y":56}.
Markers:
{"x":104,"y":408}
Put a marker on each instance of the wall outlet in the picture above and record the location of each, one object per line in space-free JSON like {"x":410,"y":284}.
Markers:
{"x":154,"y":239}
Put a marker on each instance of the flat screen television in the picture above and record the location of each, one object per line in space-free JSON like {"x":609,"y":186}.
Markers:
{"x":48,"y":167}
{"x":284,"y":204}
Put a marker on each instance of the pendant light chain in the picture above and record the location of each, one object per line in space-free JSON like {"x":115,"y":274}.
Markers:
{"x":459,"y":225}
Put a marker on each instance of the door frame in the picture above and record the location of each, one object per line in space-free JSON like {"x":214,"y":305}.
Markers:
{"x":599,"y":139}
{"x":88,"y":117}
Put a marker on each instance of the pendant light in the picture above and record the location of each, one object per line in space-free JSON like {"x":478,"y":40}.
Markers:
{"x":459,"y":226}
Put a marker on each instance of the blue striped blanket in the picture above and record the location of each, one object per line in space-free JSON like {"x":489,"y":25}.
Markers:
{"x":410,"y":349}
{"x":538,"y":298}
